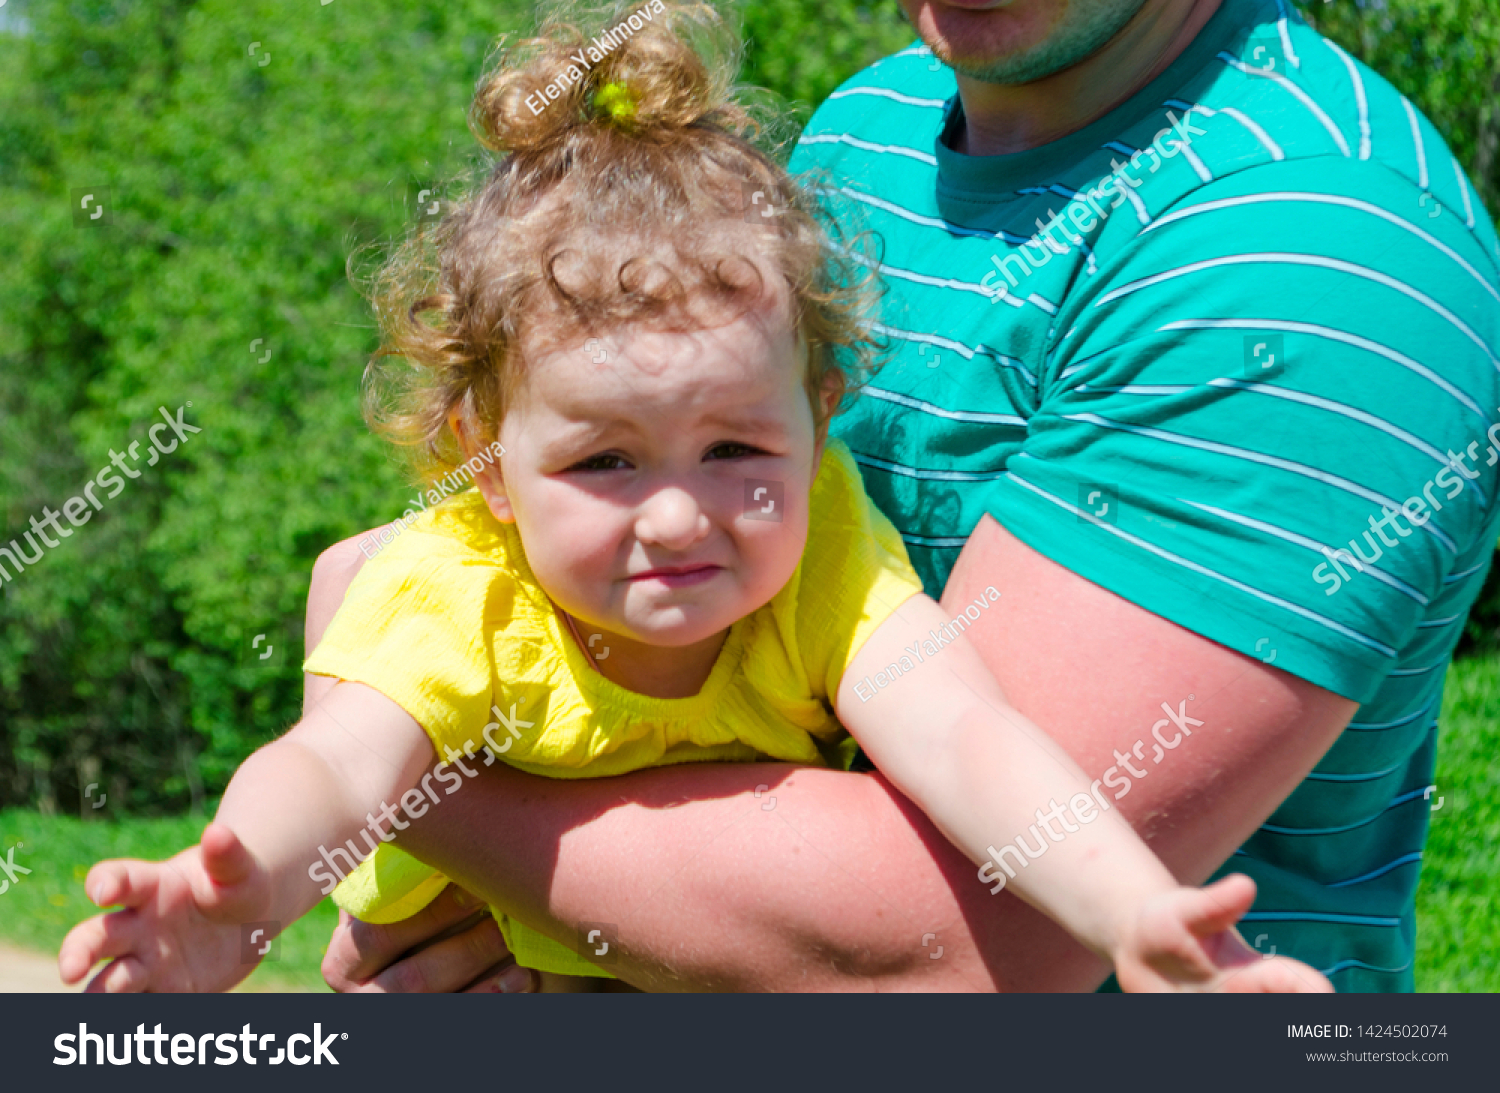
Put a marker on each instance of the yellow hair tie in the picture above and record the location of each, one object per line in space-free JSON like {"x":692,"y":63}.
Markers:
{"x":616,"y":100}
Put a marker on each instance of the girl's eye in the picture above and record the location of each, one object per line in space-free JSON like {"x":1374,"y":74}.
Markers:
{"x":732,"y":449}
{"x":604,"y":461}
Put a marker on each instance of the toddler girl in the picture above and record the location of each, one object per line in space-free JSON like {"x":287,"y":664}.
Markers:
{"x":632,"y":338}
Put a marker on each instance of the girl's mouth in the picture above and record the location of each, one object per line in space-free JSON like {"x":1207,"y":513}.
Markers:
{"x":682,"y":576}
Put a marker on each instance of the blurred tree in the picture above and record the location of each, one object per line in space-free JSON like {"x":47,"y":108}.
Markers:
{"x":242,"y":151}
{"x":803,"y":50}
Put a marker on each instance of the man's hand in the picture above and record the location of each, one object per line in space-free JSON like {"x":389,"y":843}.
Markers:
{"x":181,"y":927}
{"x":453,"y":944}
{"x":1185,"y":941}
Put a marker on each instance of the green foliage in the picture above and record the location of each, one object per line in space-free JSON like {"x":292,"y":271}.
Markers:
{"x":236,"y":190}
{"x":803,"y":50}
{"x":238,"y":182}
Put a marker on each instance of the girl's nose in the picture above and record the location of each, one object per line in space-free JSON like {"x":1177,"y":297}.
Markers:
{"x":672,"y":518}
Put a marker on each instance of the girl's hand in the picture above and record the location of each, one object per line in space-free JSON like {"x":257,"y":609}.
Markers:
{"x":185,"y":923}
{"x":1185,"y":941}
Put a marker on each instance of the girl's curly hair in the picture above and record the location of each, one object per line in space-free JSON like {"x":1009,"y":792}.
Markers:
{"x":625,"y":181}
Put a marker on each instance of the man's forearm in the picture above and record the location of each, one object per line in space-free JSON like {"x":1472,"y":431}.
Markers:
{"x":824,"y":881}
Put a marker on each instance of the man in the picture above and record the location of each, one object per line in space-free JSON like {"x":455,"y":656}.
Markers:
{"x":1195,"y":325}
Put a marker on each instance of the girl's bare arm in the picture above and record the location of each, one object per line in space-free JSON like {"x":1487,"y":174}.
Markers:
{"x":769,"y":877}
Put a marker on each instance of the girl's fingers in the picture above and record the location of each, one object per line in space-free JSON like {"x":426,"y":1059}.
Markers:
{"x":1188,"y":940}
{"x":1218,"y":907}
{"x":121,"y":883}
{"x":225,"y":859}
{"x":99,"y":938}
{"x":127,"y":975}
{"x":227,"y":866}
{"x":1276,"y":975}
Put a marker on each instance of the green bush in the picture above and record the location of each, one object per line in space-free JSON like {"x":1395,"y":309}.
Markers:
{"x":241,"y":152}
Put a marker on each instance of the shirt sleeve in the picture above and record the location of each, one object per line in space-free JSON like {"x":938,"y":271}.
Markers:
{"x":1235,"y":410}
{"x":414,"y":627}
{"x":855,"y":572}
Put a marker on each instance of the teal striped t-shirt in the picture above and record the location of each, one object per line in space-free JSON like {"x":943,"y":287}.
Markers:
{"x":1230,"y":352}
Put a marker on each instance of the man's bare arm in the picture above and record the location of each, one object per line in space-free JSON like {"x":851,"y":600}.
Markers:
{"x":837,"y":884}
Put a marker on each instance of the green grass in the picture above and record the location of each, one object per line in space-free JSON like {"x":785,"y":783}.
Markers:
{"x":1458,"y":904}
{"x":40,"y":909}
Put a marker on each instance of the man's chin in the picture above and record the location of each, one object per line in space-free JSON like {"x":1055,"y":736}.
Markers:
{"x":989,"y":40}
{"x":978,"y":5}
{"x":1012,"y":42}
{"x":1014,"y":71}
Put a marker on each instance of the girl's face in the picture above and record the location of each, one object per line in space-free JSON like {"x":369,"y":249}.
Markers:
{"x":660,"y":481}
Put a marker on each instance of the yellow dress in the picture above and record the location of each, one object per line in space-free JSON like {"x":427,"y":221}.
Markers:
{"x":450,"y":624}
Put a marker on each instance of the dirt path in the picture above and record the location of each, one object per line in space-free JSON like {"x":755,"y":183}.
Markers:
{"x":25,"y":972}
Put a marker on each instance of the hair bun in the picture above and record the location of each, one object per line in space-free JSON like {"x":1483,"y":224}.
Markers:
{"x":651,"y":64}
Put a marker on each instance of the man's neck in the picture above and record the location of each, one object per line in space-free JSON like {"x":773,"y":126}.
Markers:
{"x":1000,"y":119}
